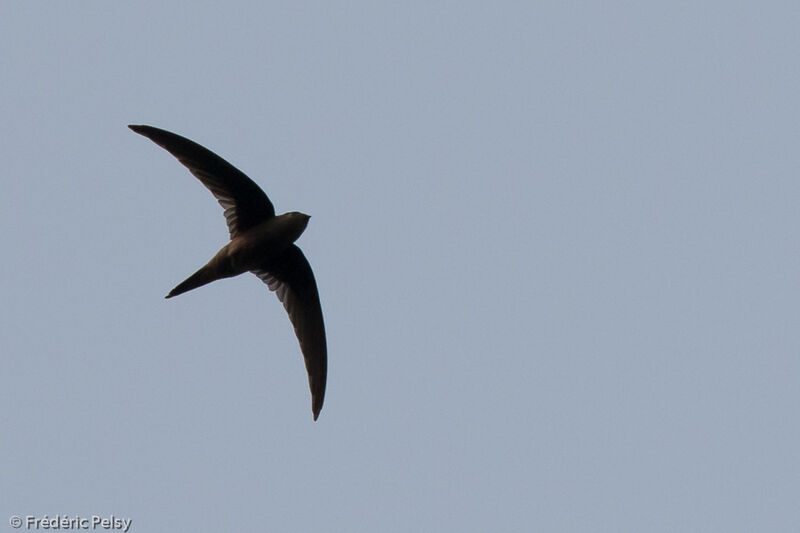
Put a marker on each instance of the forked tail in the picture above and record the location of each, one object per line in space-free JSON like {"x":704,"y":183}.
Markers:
{"x":198,"y":279}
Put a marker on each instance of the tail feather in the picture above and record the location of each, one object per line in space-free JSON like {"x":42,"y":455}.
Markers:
{"x":198,"y":279}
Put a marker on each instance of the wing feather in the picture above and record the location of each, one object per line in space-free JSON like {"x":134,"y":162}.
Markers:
{"x":245,"y":204}
{"x":292,"y":280}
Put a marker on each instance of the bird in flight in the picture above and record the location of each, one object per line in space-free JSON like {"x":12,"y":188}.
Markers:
{"x":261,"y":243}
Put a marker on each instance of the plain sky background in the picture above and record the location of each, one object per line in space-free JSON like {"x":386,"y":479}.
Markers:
{"x":556,"y":245}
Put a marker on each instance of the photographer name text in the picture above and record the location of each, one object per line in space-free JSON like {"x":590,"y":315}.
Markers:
{"x":71,"y":522}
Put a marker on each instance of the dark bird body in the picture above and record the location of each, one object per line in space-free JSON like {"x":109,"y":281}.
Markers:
{"x":261,"y":243}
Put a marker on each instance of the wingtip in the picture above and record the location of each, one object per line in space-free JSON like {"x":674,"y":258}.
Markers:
{"x":317,"y":397}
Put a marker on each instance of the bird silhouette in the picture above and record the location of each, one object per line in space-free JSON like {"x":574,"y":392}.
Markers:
{"x":261,"y":243}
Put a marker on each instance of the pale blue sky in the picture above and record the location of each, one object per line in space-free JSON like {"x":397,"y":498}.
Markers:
{"x":556,"y":245}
